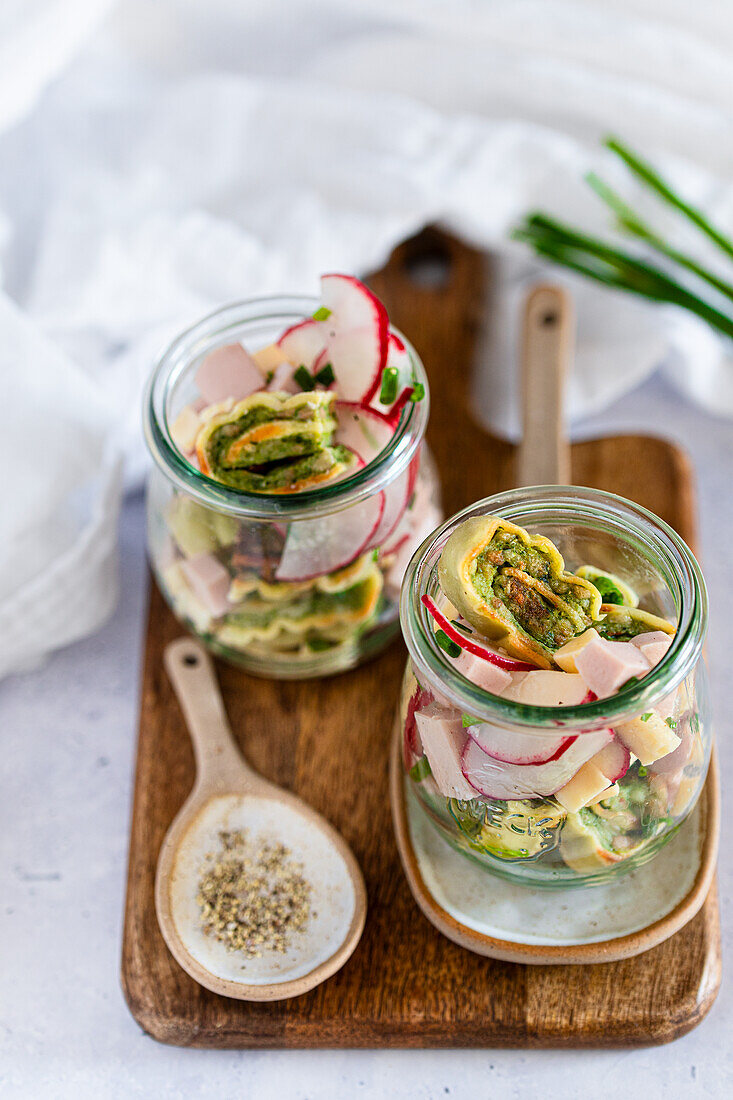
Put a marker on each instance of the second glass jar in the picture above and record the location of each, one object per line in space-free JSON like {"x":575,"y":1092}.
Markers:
{"x":347,"y":543}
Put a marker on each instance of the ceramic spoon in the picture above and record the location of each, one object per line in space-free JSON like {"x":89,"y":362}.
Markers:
{"x":229,"y":795}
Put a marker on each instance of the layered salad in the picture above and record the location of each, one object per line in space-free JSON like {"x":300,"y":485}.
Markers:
{"x":306,"y":412}
{"x":512,"y":620}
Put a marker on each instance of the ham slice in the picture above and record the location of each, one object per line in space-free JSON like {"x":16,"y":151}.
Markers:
{"x":282,"y":379}
{"x":209,"y":581}
{"x":653,"y":645}
{"x":605,"y":665}
{"x":482,"y":673}
{"x":228,"y":371}
{"x":443,"y":739}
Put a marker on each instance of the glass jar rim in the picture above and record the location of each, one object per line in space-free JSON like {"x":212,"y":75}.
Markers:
{"x":207,"y":334}
{"x":683,"y":571}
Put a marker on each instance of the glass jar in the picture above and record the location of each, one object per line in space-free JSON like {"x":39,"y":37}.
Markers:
{"x":331,"y":618}
{"x":534,"y":840}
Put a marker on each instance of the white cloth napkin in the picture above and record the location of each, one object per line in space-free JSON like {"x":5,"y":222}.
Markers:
{"x":156,"y":160}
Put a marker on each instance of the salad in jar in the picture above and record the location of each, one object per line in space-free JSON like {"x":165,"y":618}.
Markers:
{"x":291,"y":487}
{"x":554,"y":714}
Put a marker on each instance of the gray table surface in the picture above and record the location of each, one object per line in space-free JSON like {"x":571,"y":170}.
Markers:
{"x":68,"y":736}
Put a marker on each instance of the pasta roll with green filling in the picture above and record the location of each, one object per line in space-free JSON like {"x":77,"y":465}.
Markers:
{"x":273,"y":443}
{"x":620,"y":623}
{"x":514,"y":589}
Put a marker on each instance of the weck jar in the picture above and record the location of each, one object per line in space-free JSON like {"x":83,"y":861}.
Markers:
{"x":347,"y":543}
{"x":532,"y":838}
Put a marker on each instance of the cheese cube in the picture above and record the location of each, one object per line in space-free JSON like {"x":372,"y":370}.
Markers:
{"x":565,"y":655}
{"x":585,"y":787}
{"x":184,"y":430}
{"x":648,"y":737}
{"x":546,"y":688}
{"x":268,"y":358}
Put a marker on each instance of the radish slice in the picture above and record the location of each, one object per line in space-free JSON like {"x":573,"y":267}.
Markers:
{"x":301,"y":344}
{"x":498,"y":780}
{"x":356,"y":335}
{"x":474,"y":647}
{"x":399,"y":360}
{"x":613,"y":761}
{"x":363,"y":430}
{"x":396,"y":498}
{"x":516,"y":746}
{"x":317,"y":546}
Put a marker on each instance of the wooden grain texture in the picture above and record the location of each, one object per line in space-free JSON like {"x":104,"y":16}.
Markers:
{"x":405,"y":985}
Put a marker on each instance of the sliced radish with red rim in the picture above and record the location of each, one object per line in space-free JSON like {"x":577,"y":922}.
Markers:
{"x":363,"y":430}
{"x":495,"y":779}
{"x":396,"y":498}
{"x":516,"y":746}
{"x":478,"y":649}
{"x":314,"y":547}
{"x":356,"y":334}
{"x":303,"y":343}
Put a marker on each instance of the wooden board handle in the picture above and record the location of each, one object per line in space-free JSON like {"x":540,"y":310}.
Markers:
{"x":544,"y":453}
{"x":191,"y":672}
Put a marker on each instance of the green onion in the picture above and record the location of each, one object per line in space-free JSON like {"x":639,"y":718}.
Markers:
{"x":647,"y":716}
{"x":447,"y":644}
{"x":418,"y":392}
{"x":388,"y":392}
{"x":671,"y":723}
{"x":467,"y":720}
{"x":322,"y":314}
{"x":325,"y":375}
{"x":420,"y":770}
{"x":642,"y":771}
{"x":303,"y":377}
{"x":599,"y":260}
{"x":647,"y":175}
{"x":375,"y":554}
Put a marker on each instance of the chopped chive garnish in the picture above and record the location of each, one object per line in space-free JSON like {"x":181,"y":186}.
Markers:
{"x":375,"y":554}
{"x":647,"y":716}
{"x":642,"y":770}
{"x":421,"y":770}
{"x":322,"y":313}
{"x":418,"y":393}
{"x":467,"y":720}
{"x":695,"y":722}
{"x":388,"y":392}
{"x":447,"y":644}
{"x":462,"y":627}
{"x":325,"y":375}
{"x":269,"y":376}
{"x":671,"y":723}
{"x":303,"y":377}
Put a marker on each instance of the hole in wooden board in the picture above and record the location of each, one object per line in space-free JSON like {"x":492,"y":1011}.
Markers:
{"x":191,"y":660}
{"x":549,"y":319}
{"x":428,"y":265}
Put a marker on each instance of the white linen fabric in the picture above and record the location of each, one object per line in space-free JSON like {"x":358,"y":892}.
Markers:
{"x":159,"y":159}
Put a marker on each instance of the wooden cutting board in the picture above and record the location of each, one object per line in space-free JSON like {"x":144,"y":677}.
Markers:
{"x":406,"y":985}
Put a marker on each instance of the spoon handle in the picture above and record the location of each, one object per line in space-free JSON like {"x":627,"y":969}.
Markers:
{"x":544,"y":453}
{"x":219,"y":763}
